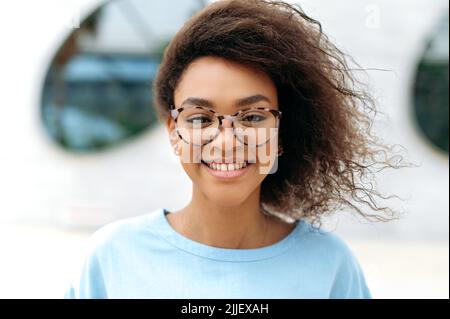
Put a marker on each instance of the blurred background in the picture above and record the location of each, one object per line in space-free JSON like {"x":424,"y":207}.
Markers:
{"x":80,"y":145}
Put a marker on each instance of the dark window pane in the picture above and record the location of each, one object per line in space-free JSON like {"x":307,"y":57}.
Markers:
{"x":431,"y":89}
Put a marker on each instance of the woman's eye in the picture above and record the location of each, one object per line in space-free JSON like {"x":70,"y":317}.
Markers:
{"x":253,"y":118}
{"x":201,"y":119}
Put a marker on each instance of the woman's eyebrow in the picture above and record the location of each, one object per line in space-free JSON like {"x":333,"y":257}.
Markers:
{"x":239,"y":103}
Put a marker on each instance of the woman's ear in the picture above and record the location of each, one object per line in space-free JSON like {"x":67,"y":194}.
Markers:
{"x":280,"y":148}
{"x":173,"y":136}
{"x":170,"y":126}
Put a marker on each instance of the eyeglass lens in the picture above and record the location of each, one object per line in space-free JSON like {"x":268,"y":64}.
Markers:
{"x":251,"y":127}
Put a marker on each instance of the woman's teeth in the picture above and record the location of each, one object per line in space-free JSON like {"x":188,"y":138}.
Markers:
{"x":226,"y":167}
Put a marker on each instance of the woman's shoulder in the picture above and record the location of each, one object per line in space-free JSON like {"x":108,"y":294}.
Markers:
{"x":125,"y":231}
{"x":331,"y":253}
{"x":324,"y":243}
{"x":108,"y":246}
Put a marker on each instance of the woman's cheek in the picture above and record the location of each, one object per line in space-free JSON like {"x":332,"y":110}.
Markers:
{"x":267,"y":158}
{"x":190,"y":154}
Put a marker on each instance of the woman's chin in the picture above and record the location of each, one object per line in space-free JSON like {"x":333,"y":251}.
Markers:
{"x":224,"y":196}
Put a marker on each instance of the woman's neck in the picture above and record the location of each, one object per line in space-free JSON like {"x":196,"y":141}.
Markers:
{"x":236,"y":227}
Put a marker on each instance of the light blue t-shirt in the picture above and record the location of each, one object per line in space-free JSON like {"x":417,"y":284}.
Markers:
{"x":145,"y":257}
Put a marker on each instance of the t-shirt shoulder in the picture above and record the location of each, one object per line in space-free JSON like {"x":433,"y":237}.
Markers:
{"x":324,"y":242}
{"x":122,"y":229}
{"x":333,"y":252}
{"x":89,"y":282}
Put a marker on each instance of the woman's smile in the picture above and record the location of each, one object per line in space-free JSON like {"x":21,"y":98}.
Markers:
{"x":227,"y":171}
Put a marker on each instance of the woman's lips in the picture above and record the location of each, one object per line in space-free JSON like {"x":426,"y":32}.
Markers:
{"x":227,"y":175}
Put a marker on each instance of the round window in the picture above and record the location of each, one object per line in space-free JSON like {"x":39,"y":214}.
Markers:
{"x":97,"y":92}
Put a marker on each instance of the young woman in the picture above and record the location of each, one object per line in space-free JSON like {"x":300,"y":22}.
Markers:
{"x":264,"y":113}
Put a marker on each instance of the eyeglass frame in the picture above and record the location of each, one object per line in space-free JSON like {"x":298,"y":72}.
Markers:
{"x":175,"y":112}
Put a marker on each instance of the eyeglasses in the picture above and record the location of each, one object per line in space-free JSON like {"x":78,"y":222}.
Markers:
{"x":199,"y":125}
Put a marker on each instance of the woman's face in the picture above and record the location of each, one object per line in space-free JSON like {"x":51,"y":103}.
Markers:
{"x":223,"y":83}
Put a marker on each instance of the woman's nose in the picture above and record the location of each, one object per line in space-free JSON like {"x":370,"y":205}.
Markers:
{"x":227,"y":123}
{"x":226,"y":138}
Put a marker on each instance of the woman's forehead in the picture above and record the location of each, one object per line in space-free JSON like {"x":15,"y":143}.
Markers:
{"x":220,"y":81}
